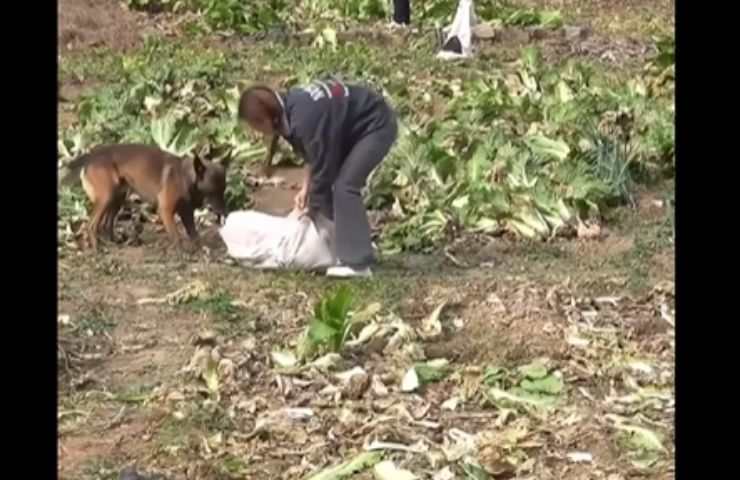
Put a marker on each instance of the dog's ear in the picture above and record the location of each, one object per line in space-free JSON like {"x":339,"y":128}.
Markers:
{"x":198,"y":166}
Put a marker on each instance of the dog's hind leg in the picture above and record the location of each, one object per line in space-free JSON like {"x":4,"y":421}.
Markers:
{"x":99,"y":209}
{"x":109,"y":219}
{"x":167,"y":214}
{"x":97,"y":185}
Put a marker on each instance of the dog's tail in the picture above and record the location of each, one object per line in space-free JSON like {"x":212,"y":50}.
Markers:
{"x":73,"y":169}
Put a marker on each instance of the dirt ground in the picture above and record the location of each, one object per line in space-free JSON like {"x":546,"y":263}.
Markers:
{"x":633,"y":18}
{"x":126,"y":395}
{"x":97,"y":23}
{"x":510,"y":303}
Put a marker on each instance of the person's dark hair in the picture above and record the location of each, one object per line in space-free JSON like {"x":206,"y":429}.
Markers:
{"x":258,"y":102}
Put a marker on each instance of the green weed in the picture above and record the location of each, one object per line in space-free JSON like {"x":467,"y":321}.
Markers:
{"x":220,"y":305}
{"x":331,"y":323}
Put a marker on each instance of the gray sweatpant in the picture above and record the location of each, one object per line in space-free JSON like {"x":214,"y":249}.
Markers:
{"x":345,"y":206}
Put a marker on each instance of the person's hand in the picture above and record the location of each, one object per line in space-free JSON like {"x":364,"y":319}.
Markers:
{"x":301,"y":200}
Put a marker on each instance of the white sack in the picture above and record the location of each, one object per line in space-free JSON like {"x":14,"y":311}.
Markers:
{"x":462,"y":28}
{"x":260,"y":240}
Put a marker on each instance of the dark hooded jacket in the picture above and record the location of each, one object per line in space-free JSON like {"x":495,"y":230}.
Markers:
{"x":325,"y":119}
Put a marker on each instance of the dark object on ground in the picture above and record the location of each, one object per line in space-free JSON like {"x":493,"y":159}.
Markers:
{"x":402,"y":11}
{"x":130,"y":473}
{"x":453,"y":45}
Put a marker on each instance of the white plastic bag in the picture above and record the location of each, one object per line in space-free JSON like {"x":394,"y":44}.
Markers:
{"x":461,"y":28}
{"x":259,"y":240}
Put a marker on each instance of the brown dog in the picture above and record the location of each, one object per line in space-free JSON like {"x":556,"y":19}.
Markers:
{"x":175,"y":185}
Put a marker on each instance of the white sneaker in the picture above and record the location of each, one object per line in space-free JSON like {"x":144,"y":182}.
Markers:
{"x":343,"y":271}
{"x":392,"y":25}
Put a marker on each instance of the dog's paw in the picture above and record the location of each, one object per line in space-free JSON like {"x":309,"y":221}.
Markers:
{"x":190,"y":246}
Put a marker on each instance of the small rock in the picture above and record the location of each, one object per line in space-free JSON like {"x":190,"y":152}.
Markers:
{"x":484,"y":31}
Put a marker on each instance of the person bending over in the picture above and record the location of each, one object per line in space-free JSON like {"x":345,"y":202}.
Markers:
{"x":342,"y":132}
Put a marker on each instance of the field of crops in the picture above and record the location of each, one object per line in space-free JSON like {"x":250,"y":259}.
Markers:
{"x":520,"y":324}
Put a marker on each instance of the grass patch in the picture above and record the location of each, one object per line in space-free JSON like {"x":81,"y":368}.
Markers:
{"x":219,"y":305}
{"x":94,"y":320}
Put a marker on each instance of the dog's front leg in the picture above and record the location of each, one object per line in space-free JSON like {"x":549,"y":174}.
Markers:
{"x":167,"y":214}
{"x":186,"y":215}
